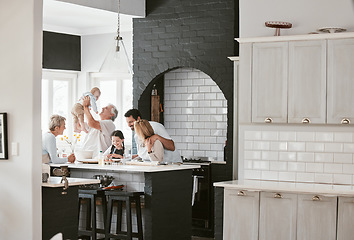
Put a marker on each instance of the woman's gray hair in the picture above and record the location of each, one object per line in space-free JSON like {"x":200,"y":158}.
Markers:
{"x":114,"y":111}
{"x":56,"y":121}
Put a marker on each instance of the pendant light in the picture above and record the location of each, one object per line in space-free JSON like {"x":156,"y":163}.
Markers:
{"x":117,"y":60}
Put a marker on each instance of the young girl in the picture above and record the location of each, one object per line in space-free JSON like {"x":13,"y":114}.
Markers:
{"x":117,"y":149}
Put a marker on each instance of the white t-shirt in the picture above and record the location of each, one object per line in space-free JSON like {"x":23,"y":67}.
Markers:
{"x":159,"y":129}
{"x":97,"y":140}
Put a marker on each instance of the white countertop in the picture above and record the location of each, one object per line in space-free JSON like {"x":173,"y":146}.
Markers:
{"x":55,"y":182}
{"x":296,"y":187}
{"x":128,"y":168}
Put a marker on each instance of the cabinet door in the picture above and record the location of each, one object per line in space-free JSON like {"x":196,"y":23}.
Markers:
{"x":316,"y":218}
{"x":345,"y":218}
{"x":277,"y":216}
{"x":241,"y":213}
{"x":307,"y":82}
{"x":269,"y":82}
{"x":340,"y":81}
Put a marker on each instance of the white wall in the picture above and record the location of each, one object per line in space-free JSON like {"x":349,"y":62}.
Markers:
{"x":94,"y":49}
{"x":20,"y":91}
{"x":306,"y":16}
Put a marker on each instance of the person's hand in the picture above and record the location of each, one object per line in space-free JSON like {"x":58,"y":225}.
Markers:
{"x":149,"y":143}
{"x":86,"y":101}
{"x":71,"y":158}
{"x":153,"y":138}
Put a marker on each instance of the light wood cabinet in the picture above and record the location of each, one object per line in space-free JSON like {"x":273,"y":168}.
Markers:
{"x":241,"y":213}
{"x":345,"y":218}
{"x":307,"y":82}
{"x":277,"y":216}
{"x":305,"y":79}
{"x":316,"y":218}
{"x":269,"y":85}
{"x":340,"y":81}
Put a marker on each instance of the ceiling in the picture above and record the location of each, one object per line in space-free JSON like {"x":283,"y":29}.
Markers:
{"x":80,"y":20}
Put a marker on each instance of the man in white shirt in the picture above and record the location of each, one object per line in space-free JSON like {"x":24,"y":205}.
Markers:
{"x":98,"y":137}
{"x":171,"y":154}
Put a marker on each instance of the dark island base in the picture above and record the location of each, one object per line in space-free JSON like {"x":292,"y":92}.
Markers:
{"x":60,"y":212}
{"x":168,"y":205}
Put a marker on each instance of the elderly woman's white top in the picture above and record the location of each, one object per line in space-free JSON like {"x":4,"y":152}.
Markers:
{"x":49,"y":149}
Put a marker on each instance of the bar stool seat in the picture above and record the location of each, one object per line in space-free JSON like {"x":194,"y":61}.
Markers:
{"x":91,"y":229}
{"x":120,"y":197}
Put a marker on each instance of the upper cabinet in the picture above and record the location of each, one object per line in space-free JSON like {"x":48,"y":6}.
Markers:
{"x":340,"y":81}
{"x":306,"y":79}
{"x":307,"y":82}
{"x":270,"y":68}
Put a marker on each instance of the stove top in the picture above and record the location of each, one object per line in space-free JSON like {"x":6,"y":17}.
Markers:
{"x":193,"y":159}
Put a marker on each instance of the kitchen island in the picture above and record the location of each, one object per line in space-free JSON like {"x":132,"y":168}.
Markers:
{"x":167,"y":211}
{"x":256,"y":209}
{"x":60,"y":207}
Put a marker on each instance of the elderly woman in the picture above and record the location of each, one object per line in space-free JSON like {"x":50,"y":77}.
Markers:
{"x":144,"y":131}
{"x":49,"y":145}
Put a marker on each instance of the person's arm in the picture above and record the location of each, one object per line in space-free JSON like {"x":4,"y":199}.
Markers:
{"x":167,"y":143}
{"x":155,"y":151}
{"x":90,"y":120}
{"x":51,"y":148}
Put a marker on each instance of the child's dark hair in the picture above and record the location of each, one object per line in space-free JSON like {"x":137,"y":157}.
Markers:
{"x":118,"y":133}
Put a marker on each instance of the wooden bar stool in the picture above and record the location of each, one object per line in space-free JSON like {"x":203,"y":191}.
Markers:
{"x":128,"y":198}
{"x":91,"y":195}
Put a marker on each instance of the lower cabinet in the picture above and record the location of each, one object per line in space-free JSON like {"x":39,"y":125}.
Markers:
{"x":316,"y":217}
{"x":267,"y":215}
{"x":241,"y":213}
{"x":345,"y":218}
{"x":277,"y":216}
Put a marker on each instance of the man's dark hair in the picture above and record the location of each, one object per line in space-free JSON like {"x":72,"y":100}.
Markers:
{"x":134,"y":113}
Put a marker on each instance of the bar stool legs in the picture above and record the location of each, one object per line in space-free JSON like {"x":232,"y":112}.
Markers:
{"x":91,"y":221}
{"x":128,"y":198}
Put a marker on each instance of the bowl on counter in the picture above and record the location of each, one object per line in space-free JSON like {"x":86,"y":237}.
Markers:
{"x":83,"y":154}
{"x":105,"y":180}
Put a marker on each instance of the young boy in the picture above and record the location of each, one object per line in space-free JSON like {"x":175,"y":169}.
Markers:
{"x":78,"y":110}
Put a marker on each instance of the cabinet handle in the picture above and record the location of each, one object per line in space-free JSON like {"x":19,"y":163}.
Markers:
{"x":306,"y":120}
{"x":241,"y":193}
{"x":345,"y":121}
{"x":316,"y":198}
{"x":268,"y":120}
{"x":278,"y":195}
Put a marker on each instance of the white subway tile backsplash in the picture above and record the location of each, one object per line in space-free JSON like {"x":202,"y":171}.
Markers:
{"x":342,"y":178}
{"x":204,"y":89}
{"x":248,"y":145}
{"x":324,"y":137}
{"x":305,"y":157}
{"x":287,"y":156}
{"x":333,"y":168}
{"x":268,"y":135}
{"x":348,"y":147}
{"x":343,"y":137}
{"x":314,"y":167}
{"x":260,"y":145}
{"x":314,"y":147}
{"x":278,"y":166}
{"x":287,"y":136}
{"x":261,"y":165}
{"x":278,"y":146}
{"x":305,"y":177}
{"x":252,"y":174}
{"x":343,"y":158}
{"x":348,"y":169}
{"x":256,"y":155}
{"x":287,"y":176}
{"x":324,"y":157}
{"x":271,"y":175}
{"x":296,"y":146}
{"x":333,"y":147}
{"x":305,"y":136}
{"x":323,"y":177}
{"x":296,"y":166}
{"x":253,"y":135}
{"x":270,"y":155}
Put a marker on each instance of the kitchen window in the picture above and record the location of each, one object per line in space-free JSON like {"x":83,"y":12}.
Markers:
{"x":116,"y":89}
{"x":58,"y":89}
